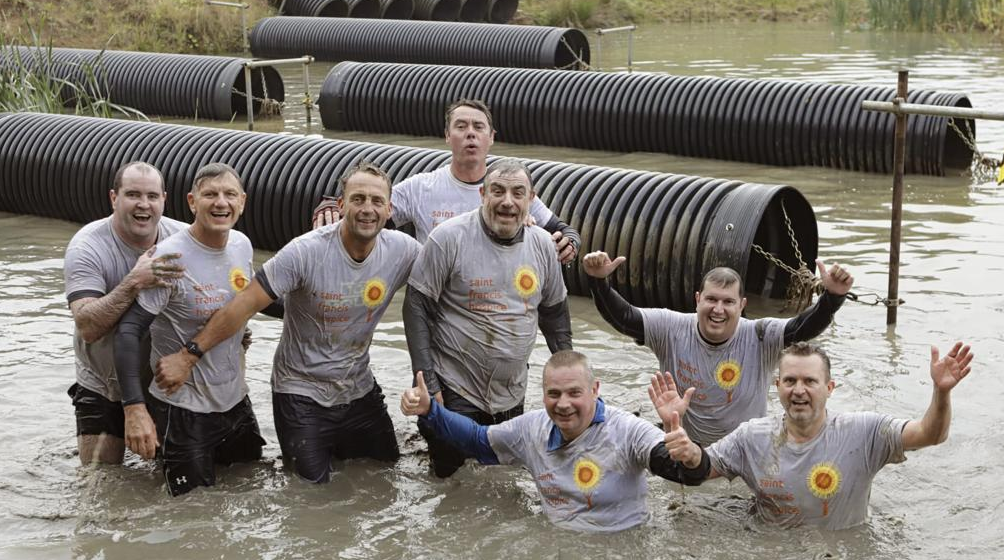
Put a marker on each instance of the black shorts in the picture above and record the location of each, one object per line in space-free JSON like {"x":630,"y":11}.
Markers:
{"x":311,"y":435}
{"x":95,"y":414}
{"x":445,"y":458}
{"x":192,"y":443}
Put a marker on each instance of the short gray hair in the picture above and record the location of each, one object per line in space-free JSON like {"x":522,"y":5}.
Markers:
{"x":212,"y":171}
{"x":569,"y":358}
{"x":508,"y":166}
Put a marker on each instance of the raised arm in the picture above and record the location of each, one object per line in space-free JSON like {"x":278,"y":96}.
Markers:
{"x":814,"y":320}
{"x":465,"y":434}
{"x":173,"y":370}
{"x":946,"y":373}
{"x":621,"y":315}
{"x":95,"y":317}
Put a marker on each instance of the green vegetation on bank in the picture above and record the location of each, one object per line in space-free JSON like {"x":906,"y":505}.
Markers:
{"x":190,"y":26}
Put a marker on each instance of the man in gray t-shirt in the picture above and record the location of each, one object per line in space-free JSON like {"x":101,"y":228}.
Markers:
{"x":336,"y":283}
{"x":588,"y":460}
{"x":811,"y":466}
{"x":107,"y":264}
{"x":428,"y":199}
{"x":721,"y":361}
{"x":481,"y":285}
{"x":208,"y":419}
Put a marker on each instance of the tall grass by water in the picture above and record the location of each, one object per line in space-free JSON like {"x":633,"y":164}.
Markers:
{"x":28,"y":85}
{"x":937,"y":15}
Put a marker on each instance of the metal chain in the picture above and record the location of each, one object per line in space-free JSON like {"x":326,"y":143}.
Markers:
{"x":984,"y":168}
{"x":803,"y":283}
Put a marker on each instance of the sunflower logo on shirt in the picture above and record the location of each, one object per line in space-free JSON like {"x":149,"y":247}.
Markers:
{"x":587,"y":475}
{"x":728,"y":375}
{"x":526,"y":283}
{"x":238,"y":280}
{"x":824,"y":482}
{"x":374,"y":292}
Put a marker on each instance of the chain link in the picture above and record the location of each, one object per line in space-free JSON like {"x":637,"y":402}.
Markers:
{"x":803,"y":283}
{"x":984,"y":168}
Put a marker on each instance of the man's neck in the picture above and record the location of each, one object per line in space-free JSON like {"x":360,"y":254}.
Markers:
{"x":472,"y":172}
{"x":356,"y":249}
{"x":139,"y":243}
{"x":801,"y":434}
{"x":215,"y":240}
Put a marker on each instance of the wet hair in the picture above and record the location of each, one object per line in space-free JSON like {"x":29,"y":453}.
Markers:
{"x":473,"y":104}
{"x":569,"y":358}
{"x":362,"y":166}
{"x":508,"y":166}
{"x":724,"y":277}
{"x":211,"y":171}
{"x":142,"y":167}
{"x":806,"y":349}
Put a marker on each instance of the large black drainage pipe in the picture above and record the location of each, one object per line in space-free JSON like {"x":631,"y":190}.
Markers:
{"x":209,"y":87}
{"x":772,"y":122}
{"x":438,"y":10}
{"x":364,"y":8}
{"x":501,"y":11}
{"x":316,"y":8}
{"x":474,"y":10}
{"x":420,"y":42}
{"x":397,"y":9}
{"x":672,"y":228}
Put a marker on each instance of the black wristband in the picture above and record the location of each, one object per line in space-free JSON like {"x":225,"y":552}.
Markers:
{"x":192,"y":348}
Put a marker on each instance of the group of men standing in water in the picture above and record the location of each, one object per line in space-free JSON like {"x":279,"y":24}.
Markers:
{"x":160,"y":309}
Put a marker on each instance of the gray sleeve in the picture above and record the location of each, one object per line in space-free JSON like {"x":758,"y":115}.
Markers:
{"x":431,"y":271}
{"x":659,"y":327}
{"x":641,"y":437}
{"x":772,"y":344}
{"x":508,"y":440}
{"x":82,"y":272}
{"x":540,"y":212}
{"x":286,"y":270}
{"x":154,"y":300}
{"x":884,"y":436}
{"x":728,"y":455}
{"x":402,"y":207}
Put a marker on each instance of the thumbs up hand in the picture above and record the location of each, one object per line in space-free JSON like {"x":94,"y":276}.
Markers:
{"x":678,"y":444}
{"x":415,"y":401}
{"x":836,"y":280}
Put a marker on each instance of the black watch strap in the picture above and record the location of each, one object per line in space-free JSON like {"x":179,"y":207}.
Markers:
{"x":193,"y":348}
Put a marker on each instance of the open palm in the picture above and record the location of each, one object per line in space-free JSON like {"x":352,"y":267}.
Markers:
{"x":948,"y":371}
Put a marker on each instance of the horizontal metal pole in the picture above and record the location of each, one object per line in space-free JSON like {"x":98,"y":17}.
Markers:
{"x":615,"y":29}
{"x":227,"y":4}
{"x":933,"y":110}
{"x":278,"y":62}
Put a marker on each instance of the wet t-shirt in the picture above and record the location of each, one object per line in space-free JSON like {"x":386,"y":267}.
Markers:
{"x":488,"y":294}
{"x":825,"y":482}
{"x":429,"y":199}
{"x":596,"y":482}
{"x":212,"y":278}
{"x":731,"y":379}
{"x":97,"y":260}
{"x":333,"y":305}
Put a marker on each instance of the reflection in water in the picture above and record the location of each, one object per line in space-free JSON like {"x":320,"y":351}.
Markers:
{"x":952,"y":260}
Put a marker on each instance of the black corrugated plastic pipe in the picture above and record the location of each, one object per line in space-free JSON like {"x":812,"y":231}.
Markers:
{"x":473,"y":10}
{"x":772,"y":122}
{"x":209,"y":87}
{"x":364,"y":8}
{"x":437,"y":10}
{"x":672,"y":228}
{"x":316,"y":8}
{"x":420,"y":42}
{"x":397,"y":9}
{"x":501,"y":11}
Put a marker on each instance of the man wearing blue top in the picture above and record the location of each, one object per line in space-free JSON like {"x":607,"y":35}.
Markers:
{"x":588,"y":459}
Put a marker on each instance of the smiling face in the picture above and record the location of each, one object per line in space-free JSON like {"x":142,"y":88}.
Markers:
{"x":718,"y":311}
{"x":217,"y":203}
{"x":469,"y":135}
{"x":365,"y":206}
{"x":803,"y":385}
{"x":570,"y":398}
{"x":505,"y":202}
{"x":138,"y":206}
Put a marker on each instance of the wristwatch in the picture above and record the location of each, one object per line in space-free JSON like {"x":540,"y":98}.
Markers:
{"x":193,"y":348}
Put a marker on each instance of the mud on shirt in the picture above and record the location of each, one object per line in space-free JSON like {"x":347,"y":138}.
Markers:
{"x":212,"y":278}
{"x":596,"y":482}
{"x":429,"y":199}
{"x":488,"y":294}
{"x":825,"y":482}
{"x":731,"y":379}
{"x":97,"y":260}
{"x":333,"y":305}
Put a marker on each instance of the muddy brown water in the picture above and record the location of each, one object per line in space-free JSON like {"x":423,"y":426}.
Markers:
{"x":943,"y":502}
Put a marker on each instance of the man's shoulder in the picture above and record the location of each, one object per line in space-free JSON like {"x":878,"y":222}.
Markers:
{"x":457,"y":227}
{"x":96,"y":230}
{"x":175,"y":242}
{"x":399,"y":240}
{"x":170,"y":226}
{"x":419,"y":180}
